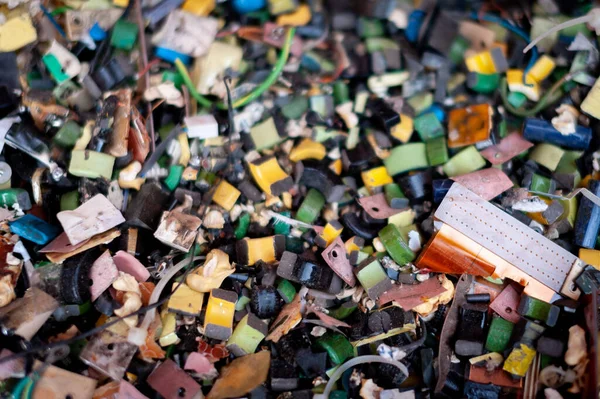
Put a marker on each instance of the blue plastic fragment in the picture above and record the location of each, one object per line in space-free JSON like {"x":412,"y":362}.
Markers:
{"x":97,"y":33}
{"x":587,"y":223}
{"x":440,"y":189}
{"x":246,"y":6}
{"x":32,"y":228}
{"x":437,"y":110}
{"x":542,"y":131}
{"x":171,"y":55}
{"x":415,"y":20}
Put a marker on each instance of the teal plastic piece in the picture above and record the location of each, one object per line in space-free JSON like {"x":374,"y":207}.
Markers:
{"x":124,"y":35}
{"x":172,"y":180}
{"x":428,"y":126}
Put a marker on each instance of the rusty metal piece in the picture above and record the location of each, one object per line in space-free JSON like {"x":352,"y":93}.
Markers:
{"x":118,"y":143}
{"x":172,"y":382}
{"x":377,"y":207}
{"x":487,"y":183}
{"x":506,"y":304}
{"x":497,"y":377}
{"x":409,"y":296}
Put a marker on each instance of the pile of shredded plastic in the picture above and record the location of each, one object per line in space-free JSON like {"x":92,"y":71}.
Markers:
{"x":287,"y":199}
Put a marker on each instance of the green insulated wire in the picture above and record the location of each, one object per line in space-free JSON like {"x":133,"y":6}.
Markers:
{"x":254,"y":94}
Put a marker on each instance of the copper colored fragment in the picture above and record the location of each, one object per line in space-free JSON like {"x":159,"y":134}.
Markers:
{"x":451,"y":252}
{"x":408,"y":296}
{"x":487,"y":183}
{"x":328,"y":320}
{"x":241,"y":376}
{"x":377,"y":207}
{"x":511,"y":146}
{"x":506,"y":304}
{"x":55,"y":382}
{"x":482,"y":286}
{"x":287,"y":319}
{"x":497,"y":377}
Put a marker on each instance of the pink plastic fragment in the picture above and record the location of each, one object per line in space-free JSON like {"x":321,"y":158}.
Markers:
{"x":91,"y":218}
{"x":127,"y":263}
{"x":11,"y":368}
{"x":128,"y":391}
{"x":102,"y":273}
{"x":198,"y":363}
{"x":409,"y":296}
{"x":487,"y":183}
{"x":61,"y":245}
{"x":335,"y":257}
{"x":172,"y":382}
{"x":511,"y":146}
{"x":328,"y":320}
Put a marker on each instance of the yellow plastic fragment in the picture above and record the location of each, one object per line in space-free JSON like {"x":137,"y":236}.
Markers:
{"x":184,"y":158}
{"x":168,"y":336}
{"x":261,"y":249}
{"x":331,"y":231}
{"x":403,"y":219}
{"x":308,"y":149}
{"x":591,"y":103}
{"x":519,"y":360}
{"x":376,"y":177}
{"x":514,"y":78}
{"x":353,"y":244}
{"x":121,"y":3}
{"x":219,"y":311}
{"x":481,"y":63}
{"x":266,"y":173}
{"x":226,"y":195}
{"x":336,"y":166}
{"x":185,"y":300}
{"x":127,"y":176}
{"x":16,"y":33}
{"x":590,"y":256}
{"x":403,"y":130}
{"x":542,"y":68}
{"x":202,"y":8}
{"x":300,"y":17}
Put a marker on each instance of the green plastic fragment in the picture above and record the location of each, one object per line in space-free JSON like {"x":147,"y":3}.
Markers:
{"x":295,"y":108}
{"x":341,"y":93}
{"x":395,"y":245}
{"x":337,"y":346}
{"x":69,"y":201}
{"x":428,"y":126}
{"x":483,"y":83}
{"x":286,"y":290}
{"x":406,"y":157}
{"x":174,"y":177}
{"x":547,"y":155}
{"x":466,"y":161}
{"x":375,"y":44}
{"x":517,"y":99}
{"x":437,"y":151}
{"x":242,"y":301}
{"x":248,"y":333}
{"x":12,"y":196}
{"x":91,"y":164}
{"x":54,"y":67}
{"x":370,"y":27}
{"x":420,"y":102}
{"x":499,"y":334}
{"x":311,"y":207}
{"x":540,"y":183}
{"x":343,"y":311}
{"x":457,"y":49}
{"x":242,"y":226}
{"x":280,"y":227}
{"x":68,"y":134}
{"x":173,"y":76}
{"x":265,"y":135}
{"x":124,"y":35}
{"x":393,"y":194}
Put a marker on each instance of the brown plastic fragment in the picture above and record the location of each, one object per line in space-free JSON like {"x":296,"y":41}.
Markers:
{"x":409,"y":296}
{"x":487,"y":183}
{"x":511,"y":146}
{"x":58,"y":254}
{"x":335,"y":256}
{"x":117,"y":146}
{"x":377,"y":207}
{"x":287,"y":319}
{"x":241,"y":376}
{"x":58,"y":383}
{"x":497,"y":377}
{"x":26,"y":315}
